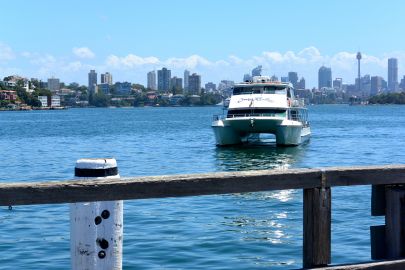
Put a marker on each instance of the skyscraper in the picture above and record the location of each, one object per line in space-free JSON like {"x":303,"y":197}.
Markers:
{"x":151,"y":80}
{"x":301,"y":83}
{"x":376,"y":85}
{"x":53,"y":84}
{"x":186,"y":75}
{"x":176,"y":85}
{"x":324,"y":77}
{"x":337,"y":84}
{"x":211,"y":87}
{"x":194,"y":84}
{"x":106,"y":78}
{"x":247,"y":77}
{"x":392,"y":74}
{"x":164,"y":76}
{"x":92,"y":81}
{"x":293,"y":78}
{"x":257,"y":71}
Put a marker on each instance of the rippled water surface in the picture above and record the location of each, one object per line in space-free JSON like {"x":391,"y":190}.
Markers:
{"x":239,"y":231}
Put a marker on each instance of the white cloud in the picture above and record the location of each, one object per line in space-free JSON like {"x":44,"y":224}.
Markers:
{"x":26,"y":54}
{"x":189,"y":62}
{"x":83,"y":52}
{"x":130,"y":61}
{"x":6,"y":53}
{"x":311,"y":54}
{"x":74,"y":66}
{"x":44,"y":60}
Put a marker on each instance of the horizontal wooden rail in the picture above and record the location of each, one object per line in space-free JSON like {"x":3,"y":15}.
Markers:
{"x":197,"y":184}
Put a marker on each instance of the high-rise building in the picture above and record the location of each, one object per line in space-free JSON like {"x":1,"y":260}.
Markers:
{"x":92,"y":81}
{"x":384,"y":85}
{"x":257,"y":71}
{"x":293,"y":78}
{"x":365,"y":85}
{"x":226,"y":86}
{"x":151,"y":80}
{"x":284,"y":79}
{"x":274,"y":78}
{"x":247,"y":77}
{"x":176,"y":84}
{"x":210,"y":87}
{"x":53,"y":84}
{"x":301,"y":83}
{"x":194,"y":84}
{"x":186,"y":75}
{"x":392,"y":74}
{"x":337,"y":84}
{"x":164,"y":76}
{"x":402,"y":84}
{"x":106,"y":78}
{"x":376,"y":85}
{"x":324,"y":77}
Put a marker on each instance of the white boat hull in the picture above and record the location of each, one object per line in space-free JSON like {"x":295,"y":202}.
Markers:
{"x":233,"y":131}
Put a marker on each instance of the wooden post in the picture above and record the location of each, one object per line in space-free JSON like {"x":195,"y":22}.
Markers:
{"x":395,"y":222}
{"x":378,"y":200}
{"x":96,"y":228}
{"x":317,"y":227}
{"x":377,"y":241}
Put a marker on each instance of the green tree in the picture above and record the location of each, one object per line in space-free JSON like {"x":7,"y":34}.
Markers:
{"x":99,"y":100}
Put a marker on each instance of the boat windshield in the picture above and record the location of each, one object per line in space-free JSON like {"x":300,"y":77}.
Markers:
{"x":268,"y":89}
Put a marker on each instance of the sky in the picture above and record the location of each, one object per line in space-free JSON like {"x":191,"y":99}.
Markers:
{"x":217,"y":39}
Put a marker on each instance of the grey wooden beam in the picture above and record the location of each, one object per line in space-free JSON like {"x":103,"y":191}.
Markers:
{"x":194,"y":185}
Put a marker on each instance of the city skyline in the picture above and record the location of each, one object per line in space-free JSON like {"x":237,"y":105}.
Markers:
{"x":99,"y":41}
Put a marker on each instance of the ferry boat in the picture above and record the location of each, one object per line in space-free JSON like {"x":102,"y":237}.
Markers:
{"x":262,"y":106}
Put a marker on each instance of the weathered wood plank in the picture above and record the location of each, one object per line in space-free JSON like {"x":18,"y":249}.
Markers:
{"x":382,"y":265}
{"x":193,"y":185}
{"x":317,"y":227}
{"x":369,"y":175}
{"x":157,"y":186}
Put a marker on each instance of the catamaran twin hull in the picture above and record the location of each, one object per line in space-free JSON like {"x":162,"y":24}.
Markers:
{"x":231,"y":131}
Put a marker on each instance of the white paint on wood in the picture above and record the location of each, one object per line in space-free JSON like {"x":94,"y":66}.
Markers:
{"x":96,"y":228}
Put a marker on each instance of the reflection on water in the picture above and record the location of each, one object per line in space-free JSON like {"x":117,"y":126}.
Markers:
{"x":270,"y":224}
{"x":260,"y":230}
{"x":257,"y":157}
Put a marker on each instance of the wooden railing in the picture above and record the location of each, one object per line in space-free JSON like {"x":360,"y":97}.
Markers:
{"x":388,"y":199}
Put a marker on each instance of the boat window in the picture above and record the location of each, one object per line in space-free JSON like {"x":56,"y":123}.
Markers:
{"x":255,"y":111}
{"x":288,"y":92}
{"x":259,"y":90}
{"x":241,"y":90}
{"x":274,"y":90}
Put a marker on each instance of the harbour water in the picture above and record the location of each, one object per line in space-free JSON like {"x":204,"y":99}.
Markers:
{"x":238,"y":231}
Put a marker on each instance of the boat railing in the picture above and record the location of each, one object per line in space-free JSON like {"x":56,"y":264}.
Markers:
{"x":295,"y":114}
{"x":217,"y":117}
{"x":241,"y":115}
{"x":251,"y":114}
{"x":298,"y":102}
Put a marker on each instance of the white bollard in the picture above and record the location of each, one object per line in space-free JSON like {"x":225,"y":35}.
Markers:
{"x":96,"y":228}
